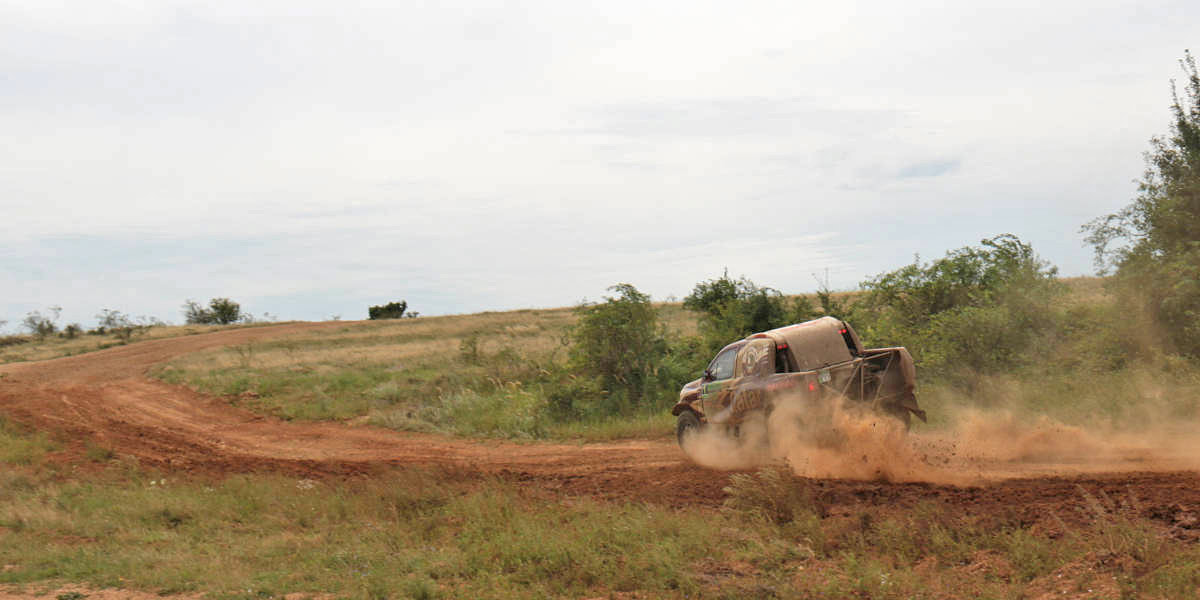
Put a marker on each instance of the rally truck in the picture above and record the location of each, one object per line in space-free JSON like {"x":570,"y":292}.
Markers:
{"x":812,"y":364}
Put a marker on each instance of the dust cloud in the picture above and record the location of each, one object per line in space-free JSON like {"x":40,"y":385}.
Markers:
{"x":843,"y":440}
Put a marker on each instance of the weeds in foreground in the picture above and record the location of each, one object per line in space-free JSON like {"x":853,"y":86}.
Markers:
{"x":1118,"y":531}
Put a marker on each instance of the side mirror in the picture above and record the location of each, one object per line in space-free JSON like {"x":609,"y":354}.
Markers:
{"x":708,"y":375}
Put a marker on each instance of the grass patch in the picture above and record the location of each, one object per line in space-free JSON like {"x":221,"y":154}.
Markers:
{"x":484,"y":375}
{"x":20,"y":447}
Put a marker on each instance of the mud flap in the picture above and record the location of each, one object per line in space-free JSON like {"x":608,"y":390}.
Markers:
{"x":909,"y":403}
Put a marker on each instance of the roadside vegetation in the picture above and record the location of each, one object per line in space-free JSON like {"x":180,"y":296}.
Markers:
{"x":1002,"y":333}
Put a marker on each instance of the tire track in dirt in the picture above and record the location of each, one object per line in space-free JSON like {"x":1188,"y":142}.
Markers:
{"x":106,"y":398}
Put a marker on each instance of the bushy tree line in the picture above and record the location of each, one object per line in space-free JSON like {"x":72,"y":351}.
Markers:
{"x":125,"y":327}
{"x":983,"y":308}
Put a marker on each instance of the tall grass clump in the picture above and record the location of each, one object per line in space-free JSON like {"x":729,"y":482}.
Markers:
{"x":21,"y":447}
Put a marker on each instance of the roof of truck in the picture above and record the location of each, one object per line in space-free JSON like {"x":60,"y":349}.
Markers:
{"x":813,"y":344}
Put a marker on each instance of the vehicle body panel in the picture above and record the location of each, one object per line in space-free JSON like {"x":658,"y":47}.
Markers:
{"x":807,"y":362}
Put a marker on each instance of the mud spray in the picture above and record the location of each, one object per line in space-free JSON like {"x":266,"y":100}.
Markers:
{"x":845,"y":441}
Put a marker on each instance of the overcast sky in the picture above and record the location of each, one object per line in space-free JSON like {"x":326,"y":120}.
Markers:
{"x":309,"y":158}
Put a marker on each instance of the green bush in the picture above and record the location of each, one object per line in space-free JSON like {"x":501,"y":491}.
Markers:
{"x":220,"y":311}
{"x":1154,"y":243}
{"x":621,"y":343}
{"x":732,"y":309}
{"x":980,"y":308}
{"x":391,"y":310}
{"x":969,"y":276}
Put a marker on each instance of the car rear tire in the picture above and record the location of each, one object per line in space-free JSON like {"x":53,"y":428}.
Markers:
{"x":687,"y":425}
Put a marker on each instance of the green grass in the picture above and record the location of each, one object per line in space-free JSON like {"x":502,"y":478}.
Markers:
{"x":484,"y":375}
{"x":403,"y":535}
{"x":18,"y":447}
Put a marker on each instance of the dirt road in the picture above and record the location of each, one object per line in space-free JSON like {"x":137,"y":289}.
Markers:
{"x":105,"y":398}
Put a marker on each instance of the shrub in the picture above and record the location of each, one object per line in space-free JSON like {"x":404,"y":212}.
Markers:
{"x":732,"y":309}
{"x":773,"y":494}
{"x":122,"y":326}
{"x":621,"y":342}
{"x":42,"y":325}
{"x":391,"y":310}
{"x":220,"y":311}
{"x":968,"y":276}
{"x":978,"y":307}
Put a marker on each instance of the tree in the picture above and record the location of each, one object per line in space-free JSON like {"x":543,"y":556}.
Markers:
{"x":391,"y":310}
{"x":220,"y":311}
{"x":1153,"y":244}
{"x":122,"y":326}
{"x":732,"y":309}
{"x":225,"y":311}
{"x":621,"y":342}
{"x":42,"y":325}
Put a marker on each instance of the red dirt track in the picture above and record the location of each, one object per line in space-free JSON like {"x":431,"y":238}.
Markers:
{"x":106,"y":398}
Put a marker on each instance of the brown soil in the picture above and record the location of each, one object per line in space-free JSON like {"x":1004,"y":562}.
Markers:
{"x":105,"y":398}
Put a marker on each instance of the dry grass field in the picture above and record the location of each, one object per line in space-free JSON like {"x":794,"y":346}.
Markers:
{"x":467,"y":374}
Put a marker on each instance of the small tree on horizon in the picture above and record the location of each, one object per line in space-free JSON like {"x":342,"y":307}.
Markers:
{"x":220,"y":311}
{"x":391,"y":310}
{"x":41,"y":325}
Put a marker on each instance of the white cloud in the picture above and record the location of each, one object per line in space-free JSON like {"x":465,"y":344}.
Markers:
{"x":313,"y":155}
